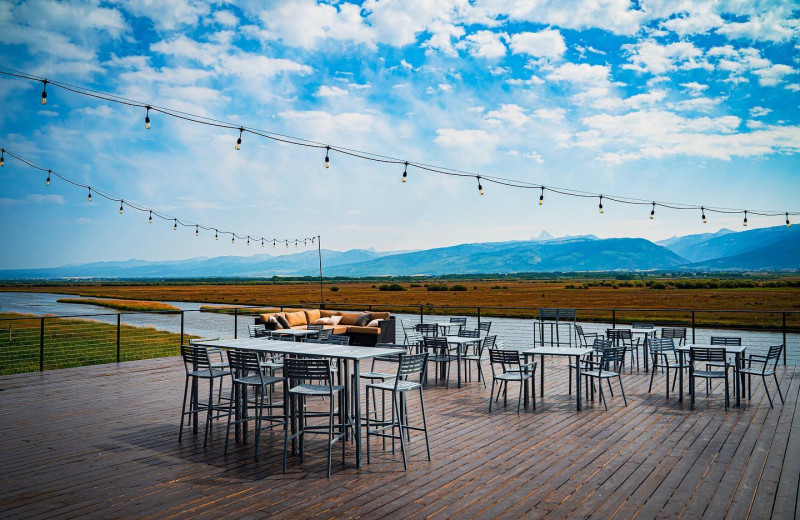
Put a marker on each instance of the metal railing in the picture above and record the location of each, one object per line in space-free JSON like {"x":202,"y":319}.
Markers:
{"x":30,"y":343}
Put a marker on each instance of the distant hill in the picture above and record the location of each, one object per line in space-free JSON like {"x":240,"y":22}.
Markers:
{"x":734,"y":244}
{"x":685,"y":245}
{"x":782,"y":254}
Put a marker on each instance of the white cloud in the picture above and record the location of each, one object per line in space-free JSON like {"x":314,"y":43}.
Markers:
{"x":512,"y":114}
{"x":771,"y":76}
{"x":467,"y":139}
{"x":700,"y":21}
{"x":535,"y":156}
{"x":333,"y":91}
{"x":226,"y":18}
{"x":533,"y":80}
{"x":35,"y":198}
{"x":325,"y":123}
{"x":694,"y":88}
{"x":582,"y":73}
{"x":307,"y":24}
{"x":550,"y":114}
{"x":651,"y":57}
{"x":547,"y":43}
{"x":700,"y":103}
{"x":167,"y":14}
{"x":759,"y":111}
{"x":794,"y":87}
{"x":485,"y":44}
{"x":772,"y":25}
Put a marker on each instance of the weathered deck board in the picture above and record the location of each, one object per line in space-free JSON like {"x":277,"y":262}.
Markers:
{"x":101,"y":442}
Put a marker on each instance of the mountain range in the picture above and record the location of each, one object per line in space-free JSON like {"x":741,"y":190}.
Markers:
{"x":776,"y":248}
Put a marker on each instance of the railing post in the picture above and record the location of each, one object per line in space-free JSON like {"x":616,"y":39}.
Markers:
{"x":41,"y":346}
{"x":479,"y":316}
{"x":613,"y":318}
{"x":421,"y":315}
{"x":783,"y":327}
{"x":693,"y":340}
{"x":235,"y":323}
{"x":118,"y":328}
{"x":181,"y":327}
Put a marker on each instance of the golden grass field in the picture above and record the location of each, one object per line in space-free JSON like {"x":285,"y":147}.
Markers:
{"x":123,"y":305}
{"x":493,"y":297}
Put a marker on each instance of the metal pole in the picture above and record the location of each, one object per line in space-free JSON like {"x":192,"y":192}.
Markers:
{"x":784,"y":337}
{"x":118,"y":327}
{"x":235,"y":323}
{"x":421,"y":315}
{"x":181,"y":327}
{"x":479,"y":316}
{"x":693,"y":340}
{"x":319,"y":254}
{"x":41,"y":346}
{"x":614,"y":319}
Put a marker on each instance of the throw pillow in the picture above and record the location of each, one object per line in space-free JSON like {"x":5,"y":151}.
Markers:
{"x":374,"y":323}
{"x":334,"y":320}
{"x":322,"y":321}
{"x":363,"y":319}
{"x":272,"y":323}
{"x":283,"y":322}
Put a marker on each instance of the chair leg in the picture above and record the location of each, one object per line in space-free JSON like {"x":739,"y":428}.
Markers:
{"x":425,"y":421}
{"x":691,"y":388}
{"x":480,"y":373}
{"x":653,"y":375}
{"x":622,"y":390}
{"x":230,"y":412}
{"x":330,"y":435}
{"x":519,"y":398}
{"x":287,"y":410}
{"x":602,"y":397}
{"x":367,"y":417}
{"x":666,"y":380}
{"x":210,"y":410}
{"x":764,"y":379}
{"x":396,"y":404}
{"x":258,"y":420}
{"x":727,"y":392}
{"x":491,"y":396}
{"x":778,"y":385}
{"x":183,"y":406}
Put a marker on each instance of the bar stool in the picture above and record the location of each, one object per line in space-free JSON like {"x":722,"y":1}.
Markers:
{"x":198,"y":366}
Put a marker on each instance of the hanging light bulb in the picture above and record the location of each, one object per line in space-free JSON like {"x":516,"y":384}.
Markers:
{"x":653,"y":212}
{"x":480,"y":188}
{"x":295,"y":244}
{"x":273,"y":243}
{"x":147,"y":118}
{"x":47,"y":182}
{"x":197,"y":231}
{"x":262,"y":242}
{"x":232,"y":237}
{"x":745,"y":219}
{"x":248,"y":240}
{"x":121,"y":202}
{"x":2,"y":158}
{"x":541,"y":197}
{"x":703,"y":214}
{"x":216,"y":235}
{"x":788,"y":224}
{"x":305,"y":242}
{"x":150,"y":218}
{"x":175,"y":225}
{"x":239,"y":141}
{"x":287,"y":244}
{"x":327,"y":160}
{"x":601,"y":203}
{"x":44,"y":92}
{"x":405,"y":172}
{"x":90,"y":194}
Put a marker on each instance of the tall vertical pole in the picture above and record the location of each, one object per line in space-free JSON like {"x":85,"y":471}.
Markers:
{"x":319,"y":253}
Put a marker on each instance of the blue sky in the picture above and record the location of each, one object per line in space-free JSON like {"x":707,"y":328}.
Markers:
{"x":693,"y":102}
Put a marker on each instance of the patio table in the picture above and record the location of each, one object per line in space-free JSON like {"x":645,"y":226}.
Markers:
{"x":568,"y":352}
{"x":459,"y":342}
{"x":295,"y":333}
{"x":338,"y":352}
{"x":646,"y":331}
{"x":738,"y":378}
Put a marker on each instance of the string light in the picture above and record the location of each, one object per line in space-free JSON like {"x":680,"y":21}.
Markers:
{"x":601,"y":203}
{"x":788,"y":224}
{"x":248,"y":240}
{"x":175,"y":225}
{"x":405,"y":172}
{"x":703,"y":212}
{"x":147,"y":118}
{"x":121,"y":202}
{"x":194,"y":118}
{"x":295,"y":244}
{"x":480,"y":188}
{"x":262,"y":242}
{"x":745,"y":219}
{"x":541,"y":197}
{"x":44,"y":92}
{"x":653,"y":212}
{"x":273,"y":243}
{"x":90,"y":194}
{"x":47,"y":182}
{"x":287,"y":244}
{"x":2,"y":157}
{"x":216,"y":235}
{"x":232,"y":237}
{"x":150,"y":218}
{"x":197,"y":231}
{"x":239,"y":141}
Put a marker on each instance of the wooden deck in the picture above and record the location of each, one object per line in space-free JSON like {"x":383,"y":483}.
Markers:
{"x":102,"y":442}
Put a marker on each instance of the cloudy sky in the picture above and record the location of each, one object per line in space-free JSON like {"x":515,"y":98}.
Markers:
{"x":673,"y":100}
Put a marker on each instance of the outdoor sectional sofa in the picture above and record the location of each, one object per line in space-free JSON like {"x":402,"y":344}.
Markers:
{"x":362,"y":335}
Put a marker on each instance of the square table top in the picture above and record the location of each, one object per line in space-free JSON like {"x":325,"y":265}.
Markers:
{"x":556,"y":351}
{"x":290,"y":347}
{"x":294,"y":332}
{"x":733,"y":349}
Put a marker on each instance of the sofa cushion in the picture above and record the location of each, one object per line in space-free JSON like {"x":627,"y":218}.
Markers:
{"x":374,"y":323}
{"x":340,"y":329}
{"x":354,"y":329}
{"x":296,"y":318}
{"x":349,"y":318}
{"x":282,"y":321}
{"x":271,"y":323}
{"x":327,"y":314}
{"x":312,"y":315}
{"x":363,"y":319}
{"x":334,"y":320}
{"x":321,"y":321}
{"x":380,"y":315}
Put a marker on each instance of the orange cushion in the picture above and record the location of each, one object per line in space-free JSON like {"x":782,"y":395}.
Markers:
{"x":296,"y":318}
{"x":379,"y":316}
{"x":265,"y":317}
{"x":349,"y":318}
{"x":340,"y":329}
{"x":328,"y":314}
{"x":312,"y":315}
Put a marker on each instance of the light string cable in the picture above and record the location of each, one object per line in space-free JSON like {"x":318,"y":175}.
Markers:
{"x":123,"y":202}
{"x":375,"y":157}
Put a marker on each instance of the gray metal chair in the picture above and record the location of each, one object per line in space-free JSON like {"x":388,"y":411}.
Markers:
{"x":198,"y":367}
{"x":585,"y":339}
{"x":610,"y":366}
{"x":372,"y":375}
{"x":477,"y":356}
{"x":247,"y":371}
{"x":408,"y":326}
{"x":338,"y":339}
{"x":427,"y":329}
{"x":408,"y":365}
{"x":763,"y":369}
{"x":598,"y":345}
{"x":624,"y":338}
{"x":415,"y":342}
{"x":512,"y":369}
{"x":484,"y":326}
{"x":733,"y":341}
{"x":663,"y":355}
{"x":676,"y":333}
{"x":711,"y":357}
{"x":438,"y":350}
{"x":257,"y":331}
{"x":312,"y":377}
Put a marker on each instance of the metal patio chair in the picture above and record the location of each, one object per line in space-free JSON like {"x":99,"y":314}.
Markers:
{"x":610,"y":366}
{"x":478,"y":349}
{"x":624,"y":338}
{"x":439,"y":352}
{"x":763,"y":369}
{"x":598,"y":345}
{"x":585,"y":339}
{"x":484,"y":326}
{"x":512,"y":369}
{"x":712,"y":357}
{"x":676,"y":333}
{"x":663,"y":355}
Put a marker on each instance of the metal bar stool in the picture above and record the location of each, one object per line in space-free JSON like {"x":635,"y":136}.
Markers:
{"x":198,"y":366}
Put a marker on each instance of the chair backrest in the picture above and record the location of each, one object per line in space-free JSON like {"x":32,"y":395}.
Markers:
{"x":619,"y":334}
{"x":311,"y":326}
{"x":673,"y":332}
{"x":702,"y":355}
{"x":413,"y":338}
{"x":436,"y":343}
{"x":469,"y":333}
{"x":409,"y":365}
{"x":257,"y":330}
{"x":726,"y":340}
{"x":642,"y":325}
{"x":485,"y":326}
{"x":600,"y":344}
{"x":244,"y":362}
{"x":661,"y":345}
{"x":488,"y":342}
{"x":427,"y":329}
{"x":338,"y":339}
{"x":462,"y":321}
{"x":612,"y":355}
{"x":774,"y":354}
{"x":324,"y":334}
{"x":308,"y":369}
{"x":195,"y":358}
{"x":578,"y":330}
{"x":503,"y":357}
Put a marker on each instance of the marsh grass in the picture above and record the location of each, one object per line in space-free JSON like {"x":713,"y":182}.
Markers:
{"x":123,"y":305}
